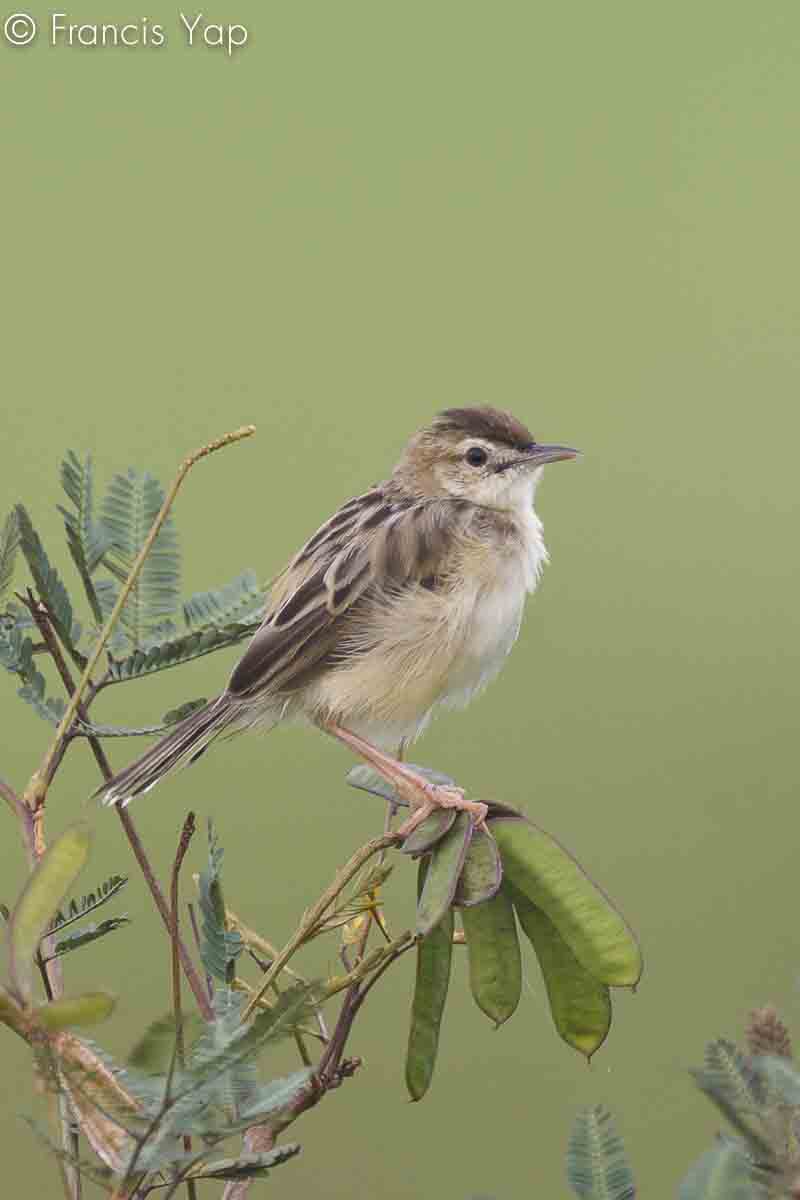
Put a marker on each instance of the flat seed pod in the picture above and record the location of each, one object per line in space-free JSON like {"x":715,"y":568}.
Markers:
{"x":48,"y":883}
{"x":88,"y":1009}
{"x":595,"y":932}
{"x":482,"y":871}
{"x":495,"y":964}
{"x":579,"y":1004}
{"x":433,"y":828}
{"x":434,"y":957}
{"x":444,"y":868}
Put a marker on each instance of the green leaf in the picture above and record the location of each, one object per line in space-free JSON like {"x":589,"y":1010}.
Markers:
{"x":725,"y":1172}
{"x":129,"y":510}
{"x":178,"y":650}
{"x":80,"y":908}
{"x":50,"y":709}
{"x":597,"y":1166}
{"x":48,"y":582}
{"x":183,"y":711}
{"x":48,"y":883}
{"x":730,"y":1074}
{"x":84,"y":935}
{"x":9,"y":543}
{"x":155,"y":1049}
{"x":292,"y":1008}
{"x":247,"y":1166}
{"x":219,"y":946}
{"x":87,"y":539}
{"x":275,"y":1098}
{"x":240,"y":601}
{"x":89,"y":1009}
{"x":367,"y":779}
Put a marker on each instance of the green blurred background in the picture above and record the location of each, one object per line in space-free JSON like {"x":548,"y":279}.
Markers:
{"x":586,"y":213}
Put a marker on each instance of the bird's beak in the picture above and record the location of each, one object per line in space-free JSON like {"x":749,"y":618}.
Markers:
{"x":541,"y":454}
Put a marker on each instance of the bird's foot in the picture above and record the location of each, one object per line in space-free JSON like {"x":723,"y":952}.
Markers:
{"x":422,"y":796}
{"x":436,"y":796}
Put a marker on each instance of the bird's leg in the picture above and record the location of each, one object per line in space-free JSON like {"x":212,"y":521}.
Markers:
{"x":422,"y":796}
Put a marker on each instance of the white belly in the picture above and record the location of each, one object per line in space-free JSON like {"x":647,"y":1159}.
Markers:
{"x":443,"y":653}
{"x":491,"y":629}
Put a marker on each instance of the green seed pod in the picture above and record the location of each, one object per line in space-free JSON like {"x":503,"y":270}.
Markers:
{"x":444,"y":868}
{"x":482,"y":871}
{"x":495,"y":966}
{"x":595,"y":932}
{"x":425,"y":836}
{"x":579,"y":1004}
{"x":434,"y":955}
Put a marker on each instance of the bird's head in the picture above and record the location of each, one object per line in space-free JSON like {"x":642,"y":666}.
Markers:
{"x":482,"y":455}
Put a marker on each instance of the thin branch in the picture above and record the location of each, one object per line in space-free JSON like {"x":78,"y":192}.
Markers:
{"x":187,"y":833}
{"x":37,"y":787}
{"x":40,"y":615}
{"x":25,"y":818}
{"x":198,"y":944}
{"x":189,"y":970}
{"x":318,"y":910}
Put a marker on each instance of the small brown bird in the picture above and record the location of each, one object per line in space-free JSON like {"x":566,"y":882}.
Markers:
{"x":409,"y":597}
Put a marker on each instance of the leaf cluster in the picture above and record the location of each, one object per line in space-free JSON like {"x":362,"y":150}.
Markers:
{"x":758,"y":1094}
{"x":157,"y":629}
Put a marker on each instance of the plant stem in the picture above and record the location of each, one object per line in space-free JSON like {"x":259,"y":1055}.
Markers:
{"x":37,"y":788}
{"x":192,"y":977}
{"x":313,"y":915}
{"x":187,"y":832}
{"x":41,"y":617}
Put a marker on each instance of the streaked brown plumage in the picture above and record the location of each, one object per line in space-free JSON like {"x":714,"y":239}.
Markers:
{"x":408,"y":597}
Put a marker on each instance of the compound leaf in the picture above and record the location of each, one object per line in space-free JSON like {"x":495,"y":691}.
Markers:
{"x":9,"y":544}
{"x":131,"y":505}
{"x":597,"y":1166}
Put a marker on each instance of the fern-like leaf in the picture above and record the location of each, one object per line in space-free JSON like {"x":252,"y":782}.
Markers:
{"x":597,"y":1166}
{"x":180,"y":650}
{"x":732,"y":1075}
{"x":49,"y":708}
{"x":85,"y":934}
{"x":725,"y":1172}
{"x":16,"y":651}
{"x":77,"y":909}
{"x":48,"y":583}
{"x":219,"y":946}
{"x":9,"y":544}
{"x":154,"y":1052}
{"x":247,"y":1166}
{"x":87,"y":539}
{"x":239,"y":602}
{"x":131,"y":506}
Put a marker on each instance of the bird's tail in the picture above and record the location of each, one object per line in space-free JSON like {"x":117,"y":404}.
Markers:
{"x":178,"y":748}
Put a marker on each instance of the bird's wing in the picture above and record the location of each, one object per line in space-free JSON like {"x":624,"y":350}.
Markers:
{"x":379,"y":540}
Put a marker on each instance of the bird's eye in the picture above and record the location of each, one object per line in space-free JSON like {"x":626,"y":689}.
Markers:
{"x":476,"y":456}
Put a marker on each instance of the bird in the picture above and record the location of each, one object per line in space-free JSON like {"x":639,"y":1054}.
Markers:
{"x":406,"y":600}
